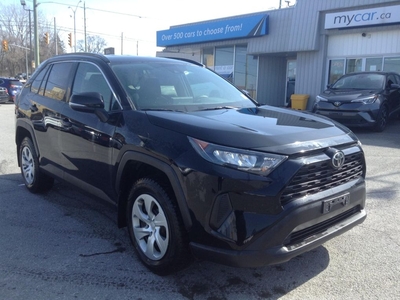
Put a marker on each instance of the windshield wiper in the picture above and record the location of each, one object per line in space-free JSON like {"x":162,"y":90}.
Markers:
{"x":162,"y":109}
{"x":219,"y":107}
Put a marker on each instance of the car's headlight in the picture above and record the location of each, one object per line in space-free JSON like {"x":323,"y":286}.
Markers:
{"x":322,"y":99}
{"x":243,"y":160}
{"x":367,"y":100}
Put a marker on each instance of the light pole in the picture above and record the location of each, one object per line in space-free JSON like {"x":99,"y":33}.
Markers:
{"x":74,"y":11}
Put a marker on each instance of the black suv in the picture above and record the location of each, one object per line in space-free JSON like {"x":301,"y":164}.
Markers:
{"x":194,"y":167}
{"x":362,"y":99}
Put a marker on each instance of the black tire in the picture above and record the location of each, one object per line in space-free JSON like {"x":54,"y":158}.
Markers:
{"x":382,"y":119}
{"x":156,"y":229}
{"x":35,"y":180}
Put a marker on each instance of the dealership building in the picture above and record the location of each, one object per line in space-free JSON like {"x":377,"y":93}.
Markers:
{"x":295,"y":50}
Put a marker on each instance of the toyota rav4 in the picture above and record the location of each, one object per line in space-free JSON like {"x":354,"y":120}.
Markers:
{"x":194,"y":167}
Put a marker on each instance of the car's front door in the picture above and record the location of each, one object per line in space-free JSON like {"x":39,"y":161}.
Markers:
{"x":88,"y":145}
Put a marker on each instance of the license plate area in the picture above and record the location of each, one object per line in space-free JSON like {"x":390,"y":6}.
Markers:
{"x":335,"y":203}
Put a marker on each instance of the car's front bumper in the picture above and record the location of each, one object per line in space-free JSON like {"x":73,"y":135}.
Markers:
{"x":302,"y":225}
{"x":349,"y":114}
{"x":350,"y":118}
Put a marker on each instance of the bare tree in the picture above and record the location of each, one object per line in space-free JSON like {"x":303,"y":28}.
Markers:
{"x":16,"y":29}
{"x":95,"y":44}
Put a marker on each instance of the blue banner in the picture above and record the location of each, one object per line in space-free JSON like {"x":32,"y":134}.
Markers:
{"x":241,"y":27}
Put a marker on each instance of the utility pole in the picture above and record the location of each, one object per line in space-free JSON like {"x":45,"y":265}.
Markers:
{"x":122,"y":43}
{"x":84,"y":24}
{"x":74,"y":11}
{"x":55,"y":36}
{"x":35,"y":34}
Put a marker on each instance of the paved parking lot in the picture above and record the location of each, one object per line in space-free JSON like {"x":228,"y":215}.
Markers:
{"x":64,"y":245}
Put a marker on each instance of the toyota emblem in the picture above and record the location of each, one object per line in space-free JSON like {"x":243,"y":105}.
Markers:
{"x":337,"y":103}
{"x":337,"y":157}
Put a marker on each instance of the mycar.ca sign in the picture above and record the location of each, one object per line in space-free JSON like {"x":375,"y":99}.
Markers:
{"x":240,"y":27}
{"x":363,"y":17}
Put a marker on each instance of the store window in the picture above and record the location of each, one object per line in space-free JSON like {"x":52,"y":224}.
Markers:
{"x":208,"y":58}
{"x":235,"y":65}
{"x":224,"y":62}
{"x":240,"y":66}
{"x":373,"y":64}
{"x":336,"y":69}
{"x":392,"y":64}
{"x":353,"y":65}
{"x":339,"y":67}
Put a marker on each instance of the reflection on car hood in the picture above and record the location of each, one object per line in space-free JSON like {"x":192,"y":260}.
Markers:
{"x":264,"y":128}
{"x":347,"y":94}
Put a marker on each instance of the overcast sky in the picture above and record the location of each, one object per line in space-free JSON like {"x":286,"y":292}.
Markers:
{"x":131,"y":25}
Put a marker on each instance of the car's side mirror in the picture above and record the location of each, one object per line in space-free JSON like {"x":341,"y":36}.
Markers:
{"x":395,"y":86}
{"x":90,"y":102}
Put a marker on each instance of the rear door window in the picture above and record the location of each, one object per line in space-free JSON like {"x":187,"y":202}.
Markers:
{"x":58,"y":81}
{"x":37,"y":82}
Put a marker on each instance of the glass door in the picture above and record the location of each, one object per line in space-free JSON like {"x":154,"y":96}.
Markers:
{"x":290,"y":79}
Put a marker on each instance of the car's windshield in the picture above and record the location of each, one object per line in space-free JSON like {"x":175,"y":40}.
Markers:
{"x":361,"y":81}
{"x":178,"y":86}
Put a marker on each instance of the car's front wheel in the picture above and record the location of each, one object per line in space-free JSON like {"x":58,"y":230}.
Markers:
{"x":382,"y":118}
{"x":156,"y":229}
{"x":35,"y":180}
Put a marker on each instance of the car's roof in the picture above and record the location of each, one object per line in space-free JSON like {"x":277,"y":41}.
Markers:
{"x":115,"y":59}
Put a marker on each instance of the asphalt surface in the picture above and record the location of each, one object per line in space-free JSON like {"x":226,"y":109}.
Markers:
{"x":65,"y":245}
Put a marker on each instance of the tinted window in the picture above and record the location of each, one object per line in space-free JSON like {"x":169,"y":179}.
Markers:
{"x":361,"y":81}
{"x":89,"y":78}
{"x":37,"y":82}
{"x":397,"y":79}
{"x":391,"y":79}
{"x":57,"y":82}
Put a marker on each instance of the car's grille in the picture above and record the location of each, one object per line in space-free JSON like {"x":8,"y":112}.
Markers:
{"x":301,"y":235}
{"x":320,"y":176}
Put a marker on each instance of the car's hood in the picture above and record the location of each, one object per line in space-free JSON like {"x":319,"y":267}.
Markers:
{"x":264,"y":128}
{"x":345,"y":95}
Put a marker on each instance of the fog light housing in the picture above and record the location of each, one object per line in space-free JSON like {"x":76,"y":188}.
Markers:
{"x":223,"y":218}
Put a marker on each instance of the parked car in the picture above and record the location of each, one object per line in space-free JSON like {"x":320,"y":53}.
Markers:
{"x":3,"y":95}
{"x":194,"y":167}
{"x":362,"y":99}
{"x":13,"y":87}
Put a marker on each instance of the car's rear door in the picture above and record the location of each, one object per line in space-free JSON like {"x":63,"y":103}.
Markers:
{"x":45,"y":101}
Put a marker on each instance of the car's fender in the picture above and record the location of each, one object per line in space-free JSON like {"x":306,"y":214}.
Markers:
{"x":22,"y":124}
{"x":163,"y":167}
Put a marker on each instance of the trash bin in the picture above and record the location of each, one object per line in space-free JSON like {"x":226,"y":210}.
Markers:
{"x":299,"y":101}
